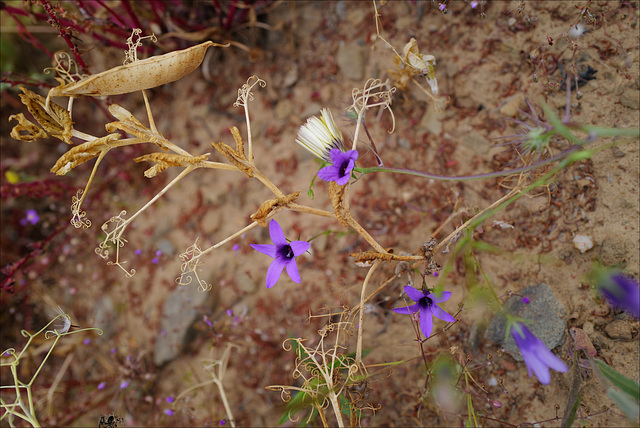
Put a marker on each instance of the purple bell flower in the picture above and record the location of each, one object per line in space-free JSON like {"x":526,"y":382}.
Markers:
{"x":427,"y":306}
{"x":342,"y":165}
{"x":284,"y":254}
{"x":538,"y":358}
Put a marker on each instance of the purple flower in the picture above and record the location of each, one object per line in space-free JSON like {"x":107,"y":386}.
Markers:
{"x":427,"y":306}
{"x":342,"y":164}
{"x":284,"y":254}
{"x":621,"y":291}
{"x":537,"y":356}
{"x":124,"y":384}
{"x":169,"y":412}
{"x":31,"y":217}
{"x":101,"y":385}
{"x":474,"y":4}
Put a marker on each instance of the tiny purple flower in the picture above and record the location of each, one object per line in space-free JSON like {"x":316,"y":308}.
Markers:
{"x":168,"y":412}
{"x":621,"y":291}
{"x":474,"y":4}
{"x":137,"y":252}
{"x":342,"y":164}
{"x":427,"y":306}
{"x":538,"y":358}
{"x":101,"y":385}
{"x":31,"y":217}
{"x":86,"y":341}
{"x":236,"y":247}
{"x":526,"y":300}
{"x":229,"y":312}
{"x":284,"y":254}
{"x":170,"y":399}
{"x":124,"y":384}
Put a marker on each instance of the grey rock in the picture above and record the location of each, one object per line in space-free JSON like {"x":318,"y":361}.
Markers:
{"x":180,"y":311}
{"x":166,"y":247}
{"x":548,"y":318}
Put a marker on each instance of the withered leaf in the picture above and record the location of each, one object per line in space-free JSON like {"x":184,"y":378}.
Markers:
{"x":167,"y":160}
{"x":129,"y":124}
{"x":56,"y":122}
{"x":83,"y":153}
{"x":268,"y":206}
{"x":25,"y":130}
{"x":239,"y":160}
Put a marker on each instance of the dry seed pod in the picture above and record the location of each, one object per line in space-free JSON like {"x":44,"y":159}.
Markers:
{"x":145,"y":74}
{"x":167,"y":160}
{"x":268,"y":206}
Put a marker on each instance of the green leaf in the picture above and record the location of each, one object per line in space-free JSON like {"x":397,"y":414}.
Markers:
{"x":627,"y":385}
{"x":628,"y":405}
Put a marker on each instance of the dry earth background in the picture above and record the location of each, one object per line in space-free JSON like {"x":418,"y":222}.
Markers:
{"x":312,"y":54}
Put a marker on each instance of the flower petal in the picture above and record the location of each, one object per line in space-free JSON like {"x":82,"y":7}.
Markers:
{"x":292,"y":271}
{"x":299,"y":247}
{"x":276,"y":233}
{"x":274,"y":271}
{"x":437,"y":312}
{"x":444,"y":296}
{"x":268,"y":249}
{"x":407,"y":310}
{"x":426,"y":322}
{"x":414,"y":294}
{"x":342,"y":180}
{"x":329,"y":173}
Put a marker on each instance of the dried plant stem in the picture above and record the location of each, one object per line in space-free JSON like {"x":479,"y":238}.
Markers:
{"x":466,"y":224}
{"x":56,"y":382}
{"x":93,"y":173}
{"x":233,"y":236}
{"x":219,"y":165}
{"x":180,"y":176}
{"x":372,"y":269}
{"x":152,"y":123}
{"x":356,"y":226}
{"x":362,"y":302}
{"x":308,"y":210}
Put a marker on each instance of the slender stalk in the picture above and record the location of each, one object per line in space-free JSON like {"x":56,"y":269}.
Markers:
{"x":361,"y":315}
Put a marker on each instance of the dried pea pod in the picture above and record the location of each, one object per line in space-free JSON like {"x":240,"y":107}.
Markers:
{"x":138,"y":75}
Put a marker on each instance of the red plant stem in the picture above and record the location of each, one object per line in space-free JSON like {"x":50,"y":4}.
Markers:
{"x":230,"y":15}
{"x":119,"y":22}
{"x":22,"y":30}
{"x":64,"y":32}
{"x":10,"y":270}
{"x":127,"y":6}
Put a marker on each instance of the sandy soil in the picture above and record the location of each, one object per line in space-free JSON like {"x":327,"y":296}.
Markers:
{"x":485,"y":69}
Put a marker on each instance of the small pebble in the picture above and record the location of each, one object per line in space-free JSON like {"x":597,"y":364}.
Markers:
{"x":583,"y":243}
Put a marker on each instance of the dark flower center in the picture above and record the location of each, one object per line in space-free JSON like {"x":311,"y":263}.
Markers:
{"x":425,"y":302}
{"x":285,"y":252}
{"x":343,"y":167}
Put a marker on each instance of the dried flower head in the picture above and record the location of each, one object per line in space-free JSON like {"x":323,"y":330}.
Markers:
{"x":320,"y":136}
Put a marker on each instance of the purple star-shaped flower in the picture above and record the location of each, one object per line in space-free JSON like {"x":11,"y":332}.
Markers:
{"x":427,"y":306}
{"x":342,"y":164}
{"x":538,"y":358}
{"x":284,"y":254}
{"x":31,"y":217}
